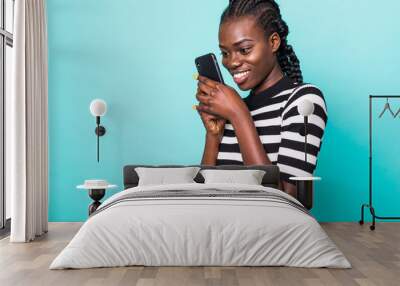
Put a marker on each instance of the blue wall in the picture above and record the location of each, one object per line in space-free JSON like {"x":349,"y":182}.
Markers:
{"x":138,"y":57}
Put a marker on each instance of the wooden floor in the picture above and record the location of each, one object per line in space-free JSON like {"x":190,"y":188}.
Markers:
{"x":375,"y":257}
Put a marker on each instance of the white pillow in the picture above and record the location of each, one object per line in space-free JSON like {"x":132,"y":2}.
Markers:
{"x":249,"y":177}
{"x":163,"y":176}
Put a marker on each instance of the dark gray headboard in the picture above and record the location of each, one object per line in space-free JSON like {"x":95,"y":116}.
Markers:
{"x":270,"y":179}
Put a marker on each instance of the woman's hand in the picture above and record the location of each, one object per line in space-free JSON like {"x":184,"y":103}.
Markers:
{"x":214,"y":125}
{"x":220,"y":100}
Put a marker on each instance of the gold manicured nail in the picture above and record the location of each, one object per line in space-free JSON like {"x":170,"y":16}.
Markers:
{"x":214,"y":126}
{"x":195,"y":76}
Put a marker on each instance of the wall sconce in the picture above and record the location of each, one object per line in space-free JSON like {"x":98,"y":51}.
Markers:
{"x":98,"y":108}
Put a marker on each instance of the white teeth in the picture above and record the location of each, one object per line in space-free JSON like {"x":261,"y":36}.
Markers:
{"x":241,"y":74}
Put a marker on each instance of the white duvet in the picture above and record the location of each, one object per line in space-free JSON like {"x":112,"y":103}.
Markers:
{"x":200,"y":231}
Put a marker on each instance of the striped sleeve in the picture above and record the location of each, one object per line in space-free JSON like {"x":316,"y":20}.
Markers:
{"x":291,"y":154}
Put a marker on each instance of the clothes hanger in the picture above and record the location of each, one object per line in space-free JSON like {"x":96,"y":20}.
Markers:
{"x":397,"y":113}
{"x":387,"y":107}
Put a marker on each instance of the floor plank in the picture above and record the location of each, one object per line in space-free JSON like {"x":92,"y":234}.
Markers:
{"x":374,"y":255}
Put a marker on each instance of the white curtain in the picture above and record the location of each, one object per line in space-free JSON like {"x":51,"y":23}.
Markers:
{"x":27,"y":124}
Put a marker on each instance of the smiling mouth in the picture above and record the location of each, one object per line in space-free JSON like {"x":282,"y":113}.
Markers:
{"x":241,"y":77}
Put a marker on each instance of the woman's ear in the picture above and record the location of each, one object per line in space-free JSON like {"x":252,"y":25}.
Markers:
{"x":274,"y":42}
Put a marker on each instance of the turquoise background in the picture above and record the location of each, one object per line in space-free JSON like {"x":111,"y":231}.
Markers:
{"x":138,"y":57}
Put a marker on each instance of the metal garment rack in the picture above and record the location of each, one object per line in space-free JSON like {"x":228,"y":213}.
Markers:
{"x":370,"y":206}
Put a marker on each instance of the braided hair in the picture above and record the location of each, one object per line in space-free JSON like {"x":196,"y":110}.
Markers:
{"x":268,"y":16}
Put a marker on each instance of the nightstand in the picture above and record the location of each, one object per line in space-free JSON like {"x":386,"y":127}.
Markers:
{"x":305,"y":189}
{"x":97,"y":190}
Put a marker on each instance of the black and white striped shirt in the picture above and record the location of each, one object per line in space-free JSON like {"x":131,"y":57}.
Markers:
{"x":278,"y":123}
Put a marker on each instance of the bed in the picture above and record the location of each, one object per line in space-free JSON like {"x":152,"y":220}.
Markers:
{"x":199,"y":224}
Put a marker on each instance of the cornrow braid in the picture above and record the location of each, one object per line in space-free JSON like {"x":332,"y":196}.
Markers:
{"x":268,"y":16}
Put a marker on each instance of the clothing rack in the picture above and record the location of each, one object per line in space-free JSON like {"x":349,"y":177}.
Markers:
{"x":370,"y":206}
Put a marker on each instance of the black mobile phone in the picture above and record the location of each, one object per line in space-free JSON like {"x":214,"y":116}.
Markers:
{"x":207,"y":66}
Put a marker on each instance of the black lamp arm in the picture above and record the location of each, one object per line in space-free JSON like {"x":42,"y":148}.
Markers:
{"x":100,"y":131}
{"x":305,"y":139}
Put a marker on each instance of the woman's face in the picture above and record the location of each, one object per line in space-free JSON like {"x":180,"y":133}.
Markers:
{"x":246,"y":53}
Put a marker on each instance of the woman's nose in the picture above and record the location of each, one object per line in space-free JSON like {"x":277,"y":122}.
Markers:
{"x":235,"y":62}
{"x":235,"y":65}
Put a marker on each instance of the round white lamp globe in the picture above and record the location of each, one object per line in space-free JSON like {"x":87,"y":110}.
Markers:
{"x":305,"y":107}
{"x":98,"y":107}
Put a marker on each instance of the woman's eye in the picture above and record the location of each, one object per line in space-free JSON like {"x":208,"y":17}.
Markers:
{"x":245,"y":51}
{"x":224,"y":54}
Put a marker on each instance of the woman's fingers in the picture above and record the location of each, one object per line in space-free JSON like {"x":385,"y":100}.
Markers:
{"x":209,"y":90}
{"x":206,"y":108}
{"x":205,"y":101}
{"x":208,"y":82}
{"x":203,"y":98}
{"x":204,"y":114}
{"x":202,"y":108}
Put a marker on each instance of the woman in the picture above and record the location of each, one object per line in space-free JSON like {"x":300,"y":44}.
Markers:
{"x":265,"y":127}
